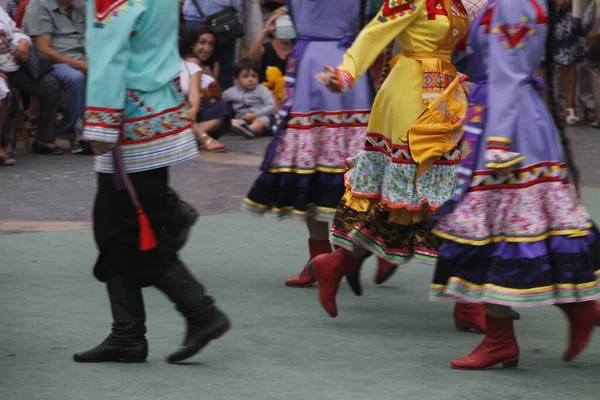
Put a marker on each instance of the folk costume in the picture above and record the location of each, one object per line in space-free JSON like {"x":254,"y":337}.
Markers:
{"x":302,"y":173}
{"x":407,"y":168}
{"x":134,"y":101}
{"x":516,"y":233}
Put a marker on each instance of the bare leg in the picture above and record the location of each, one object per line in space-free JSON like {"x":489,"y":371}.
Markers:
{"x":7,"y":146}
{"x":258,"y":126}
{"x":210,"y":125}
{"x":569,"y":75}
{"x":206,"y":141}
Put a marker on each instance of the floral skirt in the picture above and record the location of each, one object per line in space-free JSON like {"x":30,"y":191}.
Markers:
{"x":386,"y":208}
{"x":519,"y":246}
{"x":306,"y":176}
{"x":571,"y":46}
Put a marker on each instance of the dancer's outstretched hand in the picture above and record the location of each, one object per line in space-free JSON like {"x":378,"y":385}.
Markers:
{"x":329,"y":80}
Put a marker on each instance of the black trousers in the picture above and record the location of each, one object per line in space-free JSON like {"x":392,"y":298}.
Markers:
{"x":126,"y":270}
{"x":47,"y":89}
{"x":116,"y":228}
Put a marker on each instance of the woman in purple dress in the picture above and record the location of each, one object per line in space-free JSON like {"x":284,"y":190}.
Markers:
{"x":516,"y":233}
{"x":303,"y":172}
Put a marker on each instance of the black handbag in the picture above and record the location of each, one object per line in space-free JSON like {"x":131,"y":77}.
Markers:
{"x":37,"y":65}
{"x":225,"y":23}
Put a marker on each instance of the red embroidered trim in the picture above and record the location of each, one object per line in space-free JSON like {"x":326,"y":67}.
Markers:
{"x":152,"y":116}
{"x":346,"y":80}
{"x":487,"y":19}
{"x":541,"y":17}
{"x":104,"y":117}
{"x":433,"y":10}
{"x":515,"y":38}
{"x":527,"y":168}
{"x":104,"y":7}
{"x":386,"y":11}
{"x":156,"y":136}
{"x":400,"y":153}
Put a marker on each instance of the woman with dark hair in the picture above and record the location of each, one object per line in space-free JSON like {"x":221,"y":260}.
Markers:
{"x":191,"y":78}
{"x":204,"y":50}
{"x":192,"y":13}
{"x":199,"y":48}
{"x":516,"y":233}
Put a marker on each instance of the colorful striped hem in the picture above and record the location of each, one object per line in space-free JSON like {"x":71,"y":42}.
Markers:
{"x":162,"y":152}
{"x":365,"y":239}
{"x":322,"y":214}
{"x":307,"y":171}
{"x":547,"y":295}
{"x":564,"y":231}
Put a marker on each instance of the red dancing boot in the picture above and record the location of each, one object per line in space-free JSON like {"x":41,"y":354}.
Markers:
{"x":304,"y":279}
{"x":597,"y":306}
{"x":330,"y":269}
{"x":583,"y":317}
{"x":385,"y":270}
{"x":499,"y":346}
{"x":470,"y":317}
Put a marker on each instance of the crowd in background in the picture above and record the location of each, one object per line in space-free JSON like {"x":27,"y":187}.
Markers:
{"x":232,"y":85}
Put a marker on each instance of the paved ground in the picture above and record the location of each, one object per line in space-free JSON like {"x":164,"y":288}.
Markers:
{"x":390,"y":344}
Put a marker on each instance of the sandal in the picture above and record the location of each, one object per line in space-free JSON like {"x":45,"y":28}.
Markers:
{"x":571,"y":118}
{"x":209,"y":144}
{"x":8,"y":159}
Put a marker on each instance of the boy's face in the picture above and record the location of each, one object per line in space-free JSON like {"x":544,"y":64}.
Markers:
{"x":247,"y":79}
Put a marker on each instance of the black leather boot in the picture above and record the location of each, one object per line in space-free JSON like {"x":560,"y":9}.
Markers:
{"x":204,"y":321}
{"x":353,"y":278}
{"x":126,"y":343}
{"x":184,"y":217}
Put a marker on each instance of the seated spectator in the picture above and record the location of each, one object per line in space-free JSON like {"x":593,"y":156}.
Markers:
{"x":204,"y":52}
{"x":252,"y":103}
{"x":272,"y":53}
{"x":191,"y":78}
{"x":7,"y":157}
{"x":199,"y":47}
{"x":57,"y":27}
{"x":14,"y":52}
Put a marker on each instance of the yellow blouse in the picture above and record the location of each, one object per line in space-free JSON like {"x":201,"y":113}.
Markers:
{"x":428,"y":32}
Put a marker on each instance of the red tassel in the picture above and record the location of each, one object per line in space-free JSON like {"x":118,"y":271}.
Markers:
{"x":147,"y":239}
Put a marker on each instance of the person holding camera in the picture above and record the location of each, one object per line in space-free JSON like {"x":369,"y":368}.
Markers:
{"x":271,"y":48}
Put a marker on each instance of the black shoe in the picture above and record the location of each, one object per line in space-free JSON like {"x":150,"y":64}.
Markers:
{"x":353,"y":279}
{"x":81,"y":147}
{"x":243,"y":130}
{"x":43,"y":149}
{"x":199,"y":335}
{"x":108,"y":352}
{"x":87,"y":148}
{"x":75,"y":146}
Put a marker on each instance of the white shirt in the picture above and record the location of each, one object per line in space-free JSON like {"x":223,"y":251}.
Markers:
{"x":206,"y":80}
{"x":10,"y":36}
{"x":187,"y":70}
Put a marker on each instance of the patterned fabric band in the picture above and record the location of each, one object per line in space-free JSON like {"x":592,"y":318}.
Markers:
{"x":292,"y":65}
